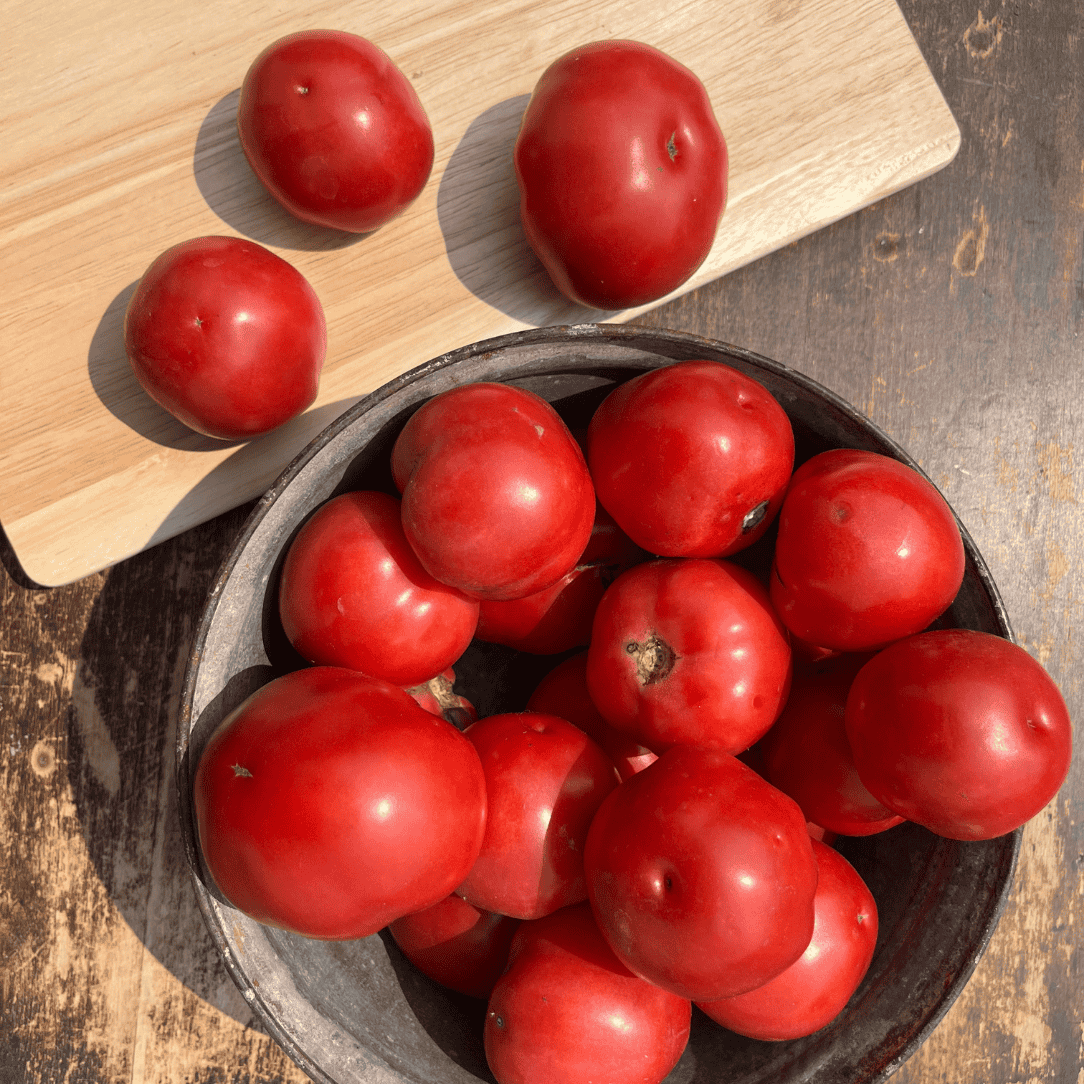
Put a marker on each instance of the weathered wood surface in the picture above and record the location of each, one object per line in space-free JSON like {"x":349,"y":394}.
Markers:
{"x":952,"y":313}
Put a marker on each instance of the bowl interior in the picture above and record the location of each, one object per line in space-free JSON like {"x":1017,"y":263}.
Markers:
{"x":354,"y":1012}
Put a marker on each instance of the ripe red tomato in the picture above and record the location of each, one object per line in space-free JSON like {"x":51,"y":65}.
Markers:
{"x":815,"y":988}
{"x":352,"y":593}
{"x":806,"y":753}
{"x":868,"y":551}
{"x":334,"y":130}
{"x":563,"y":692}
{"x":622,"y":172}
{"x":960,"y":731}
{"x":329,"y":803}
{"x":567,"y":1011}
{"x":226,"y":336}
{"x":705,"y":897}
{"x":544,"y":780}
{"x":692,"y":459}
{"x":558,"y":618}
{"x":456,"y":944}
{"x":688,"y":650}
{"x":497,"y":500}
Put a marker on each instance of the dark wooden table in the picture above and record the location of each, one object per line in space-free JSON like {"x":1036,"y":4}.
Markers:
{"x":951,"y":313}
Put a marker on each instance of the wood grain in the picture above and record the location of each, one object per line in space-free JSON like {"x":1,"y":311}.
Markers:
{"x":826,"y":109}
{"x":952,"y":312}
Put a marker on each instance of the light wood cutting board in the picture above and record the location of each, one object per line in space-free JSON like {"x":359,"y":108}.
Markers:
{"x":119,"y":141}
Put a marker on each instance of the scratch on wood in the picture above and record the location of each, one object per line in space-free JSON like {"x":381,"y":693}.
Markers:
{"x":1056,"y":468}
{"x":971,"y":249}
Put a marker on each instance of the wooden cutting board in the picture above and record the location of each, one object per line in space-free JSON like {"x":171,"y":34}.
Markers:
{"x":119,"y":141}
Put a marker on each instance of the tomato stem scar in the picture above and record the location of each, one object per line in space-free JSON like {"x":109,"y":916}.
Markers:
{"x":655,"y":659}
{"x":240,"y":770}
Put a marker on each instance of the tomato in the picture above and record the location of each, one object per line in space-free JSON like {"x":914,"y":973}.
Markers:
{"x":960,"y":731}
{"x":807,"y":755}
{"x":456,"y":944}
{"x":544,"y":780}
{"x":226,"y":336}
{"x":352,"y":593}
{"x":688,"y":651}
{"x":497,"y":500}
{"x":622,"y":173}
{"x":705,"y":897}
{"x":329,"y":803}
{"x":815,"y":988}
{"x":558,"y":618}
{"x":334,"y":130}
{"x":563,"y":692}
{"x":868,"y":551}
{"x":567,"y":1011}
{"x":691,"y":459}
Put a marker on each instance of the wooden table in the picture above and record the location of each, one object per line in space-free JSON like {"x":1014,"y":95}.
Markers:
{"x":952,"y":313}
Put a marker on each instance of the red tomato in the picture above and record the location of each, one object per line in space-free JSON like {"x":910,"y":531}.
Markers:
{"x":438,"y":695}
{"x":691,"y":459}
{"x":456,"y":944}
{"x":622,"y":172}
{"x":867,"y":552}
{"x":353,"y":594}
{"x":563,"y":692}
{"x":497,"y":500}
{"x":807,"y":755}
{"x":705,"y":897}
{"x":960,"y":731}
{"x":567,"y":1011}
{"x":559,"y":617}
{"x":544,"y":780}
{"x":329,"y":803}
{"x":334,"y":130}
{"x":688,"y":651}
{"x":815,"y":988}
{"x":226,"y":336}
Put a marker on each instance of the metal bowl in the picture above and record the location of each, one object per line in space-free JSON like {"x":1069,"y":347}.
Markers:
{"x":357,"y":1012}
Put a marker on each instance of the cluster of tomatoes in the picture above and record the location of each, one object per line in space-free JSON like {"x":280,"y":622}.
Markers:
{"x":654,"y":831}
{"x":622,"y":171}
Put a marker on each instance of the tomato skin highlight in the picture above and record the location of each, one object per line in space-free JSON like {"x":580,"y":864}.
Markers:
{"x":330,"y":803}
{"x":960,"y":731}
{"x":568,"y":1011}
{"x":622,"y":171}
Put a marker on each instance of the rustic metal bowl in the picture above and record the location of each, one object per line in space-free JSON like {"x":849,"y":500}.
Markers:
{"x":357,"y":1012}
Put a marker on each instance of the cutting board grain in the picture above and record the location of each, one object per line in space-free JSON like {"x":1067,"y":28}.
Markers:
{"x":119,"y":141}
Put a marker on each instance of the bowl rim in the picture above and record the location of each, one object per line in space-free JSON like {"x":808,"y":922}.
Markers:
{"x":629,"y":335}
